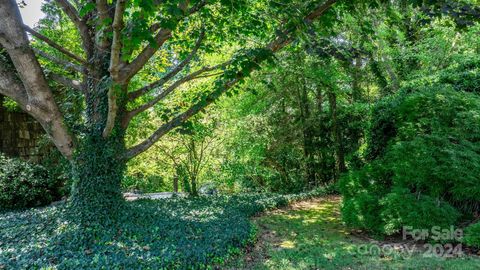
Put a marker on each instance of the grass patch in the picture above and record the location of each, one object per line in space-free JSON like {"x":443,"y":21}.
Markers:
{"x":165,"y":234}
{"x":310,"y":235}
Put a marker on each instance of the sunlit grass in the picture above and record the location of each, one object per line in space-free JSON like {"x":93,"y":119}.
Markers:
{"x":311,"y":236}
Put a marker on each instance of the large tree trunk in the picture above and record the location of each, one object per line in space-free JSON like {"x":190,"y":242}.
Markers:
{"x":98,"y":173}
{"x":97,"y":168}
{"x":97,"y":165}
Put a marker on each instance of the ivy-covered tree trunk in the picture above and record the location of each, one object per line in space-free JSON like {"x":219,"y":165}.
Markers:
{"x":98,"y":174}
{"x":97,"y":164}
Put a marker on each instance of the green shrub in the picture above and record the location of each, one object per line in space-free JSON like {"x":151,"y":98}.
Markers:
{"x":362,"y":212}
{"x":401,"y":208}
{"x":23,"y":184}
{"x":465,"y":76}
{"x":57,"y":165}
{"x":472,"y":235}
{"x":423,"y":162}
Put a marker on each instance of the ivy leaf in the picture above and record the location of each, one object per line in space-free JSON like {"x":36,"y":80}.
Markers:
{"x":86,"y":9}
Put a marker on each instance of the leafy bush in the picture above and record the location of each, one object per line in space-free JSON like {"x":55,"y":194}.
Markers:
{"x":401,"y":208}
{"x":424,"y":163}
{"x":176,"y":233}
{"x":465,"y":76}
{"x":23,"y":184}
{"x":472,"y":235}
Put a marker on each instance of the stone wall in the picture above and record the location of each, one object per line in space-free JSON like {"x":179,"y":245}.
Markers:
{"x":19,"y":134}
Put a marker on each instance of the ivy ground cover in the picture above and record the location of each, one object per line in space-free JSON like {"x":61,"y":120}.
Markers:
{"x":176,"y":233}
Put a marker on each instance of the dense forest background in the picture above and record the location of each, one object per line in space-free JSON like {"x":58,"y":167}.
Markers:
{"x":372,"y":106}
{"x":384,"y":92}
{"x":321,"y":109}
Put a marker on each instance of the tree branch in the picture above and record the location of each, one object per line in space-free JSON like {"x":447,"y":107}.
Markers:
{"x":40,"y":102}
{"x":74,"y":84}
{"x":11,"y":86}
{"x":104,"y":15}
{"x":177,"y":121}
{"x":79,"y":23}
{"x":54,"y":45}
{"x":194,"y":75}
{"x":102,"y":8}
{"x":65,"y":64}
{"x":114,"y":68}
{"x":133,"y":95}
{"x":117,"y":27}
{"x":280,"y":42}
{"x":286,"y":37}
{"x":160,"y":38}
{"x":137,"y":64}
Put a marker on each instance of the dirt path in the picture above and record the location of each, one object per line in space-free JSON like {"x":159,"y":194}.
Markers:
{"x":154,"y":196}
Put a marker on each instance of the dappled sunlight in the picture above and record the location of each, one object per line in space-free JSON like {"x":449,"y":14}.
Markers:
{"x":310,"y":235}
{"x":287,"y":244}
{"x":288,"y":134}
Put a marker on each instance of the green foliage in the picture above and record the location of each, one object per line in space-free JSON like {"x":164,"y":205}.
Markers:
{"x":176,"y":233}
{"x":97,"y":175}
{"x":465,"y":76}
{"x":425,"y":166}
{"x":401,"y":208}
{"x":23,"y":184}
{"x":9,"y":104}
{"x":279,"y":129}
{"x":148,"y":183}
{"x":362,"y":211}
{"x":472,"y":235}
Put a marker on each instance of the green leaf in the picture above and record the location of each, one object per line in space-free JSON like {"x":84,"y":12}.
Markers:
{"x":86,"y":9}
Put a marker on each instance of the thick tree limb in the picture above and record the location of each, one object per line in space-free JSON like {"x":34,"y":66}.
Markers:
{"x":104,"y":15}
{"x":114,"y":69}
{"x":112,"y":110}
{"x":102,"y":9}
{"x":117,"y":27}
{"x":54,"y":45}
{"x":280,"y":42}
{"x":135,"y":94}
{"x":81,"y":25}
{"x":40,"y":102}
{"x":74,"y":84}
{"x":137,"y":64}
{"x":10,"y":85}
{"x":65,"y":64}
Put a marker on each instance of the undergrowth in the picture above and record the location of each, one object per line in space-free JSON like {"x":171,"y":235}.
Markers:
{"x":176,"y":233}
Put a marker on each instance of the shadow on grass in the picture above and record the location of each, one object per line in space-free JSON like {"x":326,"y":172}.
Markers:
{"x":310,"y":235}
